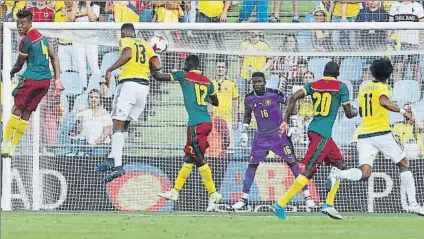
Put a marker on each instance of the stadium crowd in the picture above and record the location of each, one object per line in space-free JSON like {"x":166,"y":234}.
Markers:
{"x":71,"y":117}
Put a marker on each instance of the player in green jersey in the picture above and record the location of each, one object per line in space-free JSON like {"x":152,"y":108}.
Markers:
{"x":198,"y":92}
{"x":327,"y":96}
{"x":35,"y":50}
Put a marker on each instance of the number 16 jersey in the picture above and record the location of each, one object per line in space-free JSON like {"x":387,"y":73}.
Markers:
{"x":375,"y":118}
{"x":138,"y":67}
{"x":196,"y":91}
{"x":327,"y":96}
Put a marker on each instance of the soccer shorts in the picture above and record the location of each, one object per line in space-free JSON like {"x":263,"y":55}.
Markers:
{"x":29,"y":93}
{"x":320,"y":149}
{"x":197,"y":140}
{"x":368,"y":148}
{"x":129,"y":101}
{"x":280,"y":145}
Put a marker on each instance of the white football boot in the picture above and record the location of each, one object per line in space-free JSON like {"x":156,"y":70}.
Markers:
{"x":416,"y":209}
{"x":331,"y":212}
{"x":309,"y":202}
{"x":240,"y":204}
{"x":214,"y":199}
{"x":170,"y":195}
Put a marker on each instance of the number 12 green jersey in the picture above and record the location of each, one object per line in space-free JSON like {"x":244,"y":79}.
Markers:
{"x":196,"y":91}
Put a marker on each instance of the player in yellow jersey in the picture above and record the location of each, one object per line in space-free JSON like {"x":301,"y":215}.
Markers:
{"x":375,"y":135}
{"x":137,"y":60}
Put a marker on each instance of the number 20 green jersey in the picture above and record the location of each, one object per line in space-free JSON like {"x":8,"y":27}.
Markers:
{"x":196,"y":91}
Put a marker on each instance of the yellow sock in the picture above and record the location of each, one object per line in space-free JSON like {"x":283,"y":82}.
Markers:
{"x":20,"y":131}
{"x":298,"y":184}
{"x":11,"y":126}
{"x":332,"y":194}
{"x":206,"y":174}
{"x":183,"y":175}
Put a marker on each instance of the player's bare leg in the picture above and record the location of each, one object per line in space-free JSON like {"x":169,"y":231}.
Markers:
{"x":15,"y":129}
{"x":364,"y":173}
{"x":114,"y":161}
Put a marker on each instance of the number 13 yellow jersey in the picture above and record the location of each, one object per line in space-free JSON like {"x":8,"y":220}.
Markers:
{"x":375,"y":118}
{"x":138,"y":66}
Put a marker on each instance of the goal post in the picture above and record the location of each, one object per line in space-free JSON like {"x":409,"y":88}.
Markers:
{"x":54,"y":168}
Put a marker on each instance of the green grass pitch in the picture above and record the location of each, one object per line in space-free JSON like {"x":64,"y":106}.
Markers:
{"x":22,"y":225}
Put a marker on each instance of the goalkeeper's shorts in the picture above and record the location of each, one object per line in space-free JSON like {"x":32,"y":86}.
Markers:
{"x":320,"y":149}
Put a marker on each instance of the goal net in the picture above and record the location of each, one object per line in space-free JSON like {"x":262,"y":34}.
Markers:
{"x":54,"y":167}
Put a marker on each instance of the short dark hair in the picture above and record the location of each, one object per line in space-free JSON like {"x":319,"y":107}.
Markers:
{"x":127,"y":27}
{"x":258,"y":74}
{"x":332,"y":69}
{"x":24,"y":13}
{"x":224,"y":60}
{"x":382,"y":69}
{"x":193,"y":61}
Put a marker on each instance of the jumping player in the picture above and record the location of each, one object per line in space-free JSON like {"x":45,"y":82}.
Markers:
{"x":265,"y":103}
{"x":375,"y":135}
{"x":327,"y":95}
{"x":137,"y":60}
{"x":198,"y":92}
{"x":35,"y":50}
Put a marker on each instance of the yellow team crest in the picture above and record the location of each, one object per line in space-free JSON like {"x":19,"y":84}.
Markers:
{"x":268,"y":102}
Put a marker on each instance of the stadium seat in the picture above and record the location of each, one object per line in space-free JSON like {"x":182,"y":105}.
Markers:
{"x":316,"y":65}
{"x":108,"y":60}
{"x":395,"y":118}
{"x":343,"y":132}
{"x":419,"y":107}
{"x":406,"y":90}
{"x":304,"y":41}
{"x":351,"y":69}
{"x":71,"y":83}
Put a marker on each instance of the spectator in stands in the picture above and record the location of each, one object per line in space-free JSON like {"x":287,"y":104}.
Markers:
{"x":93,"y":126}
{"x":228,"y":94}
{"x":13,"y":7}
{"x":42,"y":13}
{"x":146,"y":11}
{"x":249,"y":64}
{"x":86,"y":12}
{"x":169,"y":12}
{"x":219,"y":138}
{"x":213,"y":11}
{"x":125,"y":11}
{"x":372,"y":39}
{"x":50,"y":115}
{"x":406,"y":11}
{"x":321,"y":38}
{"x":343,"y":12}
{"x":5,"y":16}
{"x":277,"y":9}
{"x":261,"y":10}
{"x":68,"y":60}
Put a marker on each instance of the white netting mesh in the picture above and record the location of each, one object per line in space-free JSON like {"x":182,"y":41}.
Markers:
{"x":153,"y":151}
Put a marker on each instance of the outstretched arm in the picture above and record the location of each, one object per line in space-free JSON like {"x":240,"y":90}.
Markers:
{"x":349,"y":110}
{"x":387,"y":104}
{"x":292,"y":103}
{"x":125,"y":57}
{"x":214,"y":100}
{"x":155,"y":67}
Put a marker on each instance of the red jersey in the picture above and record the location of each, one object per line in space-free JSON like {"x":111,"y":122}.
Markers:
{"x":42,"y":15}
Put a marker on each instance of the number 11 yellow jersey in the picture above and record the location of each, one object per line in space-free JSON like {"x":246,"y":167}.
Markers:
{"x":375,"y":118}
{"x":138,"y":66}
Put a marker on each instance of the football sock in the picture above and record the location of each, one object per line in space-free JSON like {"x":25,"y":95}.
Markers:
{"x":249,"y":176}
{"x":19,"y":132}
{"x":206,"y":174}
{"x":408,"y":181}
{"x":298,"y":184}
{"x":118,"y":141}
{"x":353,"y":174}
{"x":183,"y":175}
{"x":332,"y":193}
{"x":11,"y":126}
{"x":296,"y":170}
